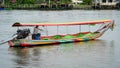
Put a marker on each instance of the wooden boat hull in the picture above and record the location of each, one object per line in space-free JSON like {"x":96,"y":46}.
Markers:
{"x":28,"y":43}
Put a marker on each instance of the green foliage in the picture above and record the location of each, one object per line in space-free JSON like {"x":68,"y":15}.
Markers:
{"x":26,"y":1}
{"x":66,"y":1}
{"x":36,"y":1}
{"x":21,"y":1}
{"x":7,"y":1}
{"x":87,"y":2}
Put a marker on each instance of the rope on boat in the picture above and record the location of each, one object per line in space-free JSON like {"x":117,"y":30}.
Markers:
{"x":106,"y":27}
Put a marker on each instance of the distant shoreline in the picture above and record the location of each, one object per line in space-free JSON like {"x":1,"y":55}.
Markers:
{"x":54,"y":7}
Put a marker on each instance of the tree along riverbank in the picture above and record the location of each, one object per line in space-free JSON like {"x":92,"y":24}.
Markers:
{"x":54,"y":7}
{"x":47,"y":7}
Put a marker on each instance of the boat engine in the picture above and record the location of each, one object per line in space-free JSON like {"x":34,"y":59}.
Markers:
{"x":21,"y":34}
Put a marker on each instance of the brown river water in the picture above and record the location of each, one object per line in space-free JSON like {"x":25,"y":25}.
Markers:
{"x":101,"y":53}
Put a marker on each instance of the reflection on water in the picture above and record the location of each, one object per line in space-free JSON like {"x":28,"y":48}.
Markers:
{"x":91,"y":53}
{"x":21,"y":56}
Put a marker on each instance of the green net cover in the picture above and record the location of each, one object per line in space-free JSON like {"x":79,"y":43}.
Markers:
{"x":68,"y":36}
{"x":57,"y":37}
{"x":88,"y":35}
{"x":80,"y":35}
{"x":46,"y":39}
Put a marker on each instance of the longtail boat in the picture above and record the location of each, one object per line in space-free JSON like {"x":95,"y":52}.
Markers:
{"x":59,"y":38}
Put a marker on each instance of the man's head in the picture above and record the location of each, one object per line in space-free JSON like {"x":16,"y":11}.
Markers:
{"x":36,"y":27}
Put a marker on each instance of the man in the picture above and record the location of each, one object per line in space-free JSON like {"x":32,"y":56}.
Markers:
{"x":36,"y":34}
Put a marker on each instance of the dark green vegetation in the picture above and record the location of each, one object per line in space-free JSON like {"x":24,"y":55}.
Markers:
{"x":54,"y":4}
{"x":45,"y":4}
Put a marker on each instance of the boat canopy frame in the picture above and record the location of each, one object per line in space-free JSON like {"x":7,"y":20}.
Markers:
{"x":17,"y":24}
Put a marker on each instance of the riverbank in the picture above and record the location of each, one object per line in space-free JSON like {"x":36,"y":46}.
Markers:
{"x":47,"y":7}
{"x":54,"y":7}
